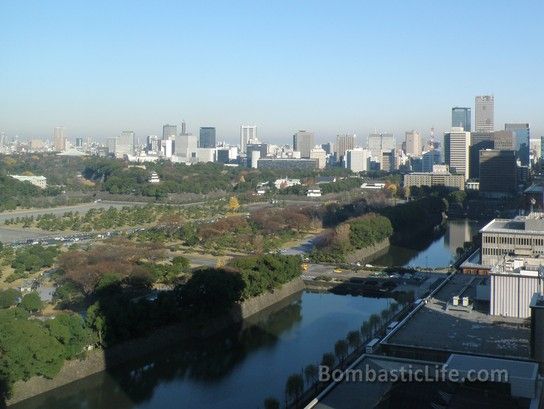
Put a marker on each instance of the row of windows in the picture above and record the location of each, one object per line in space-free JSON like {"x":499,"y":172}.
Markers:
{"x":493,"y":251}
{"x":521,"y":241}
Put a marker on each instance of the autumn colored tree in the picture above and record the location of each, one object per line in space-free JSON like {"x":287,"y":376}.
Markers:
{"x":234,"y":205}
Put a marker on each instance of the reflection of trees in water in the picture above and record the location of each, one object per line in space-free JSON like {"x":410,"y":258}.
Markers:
{"x":210,"y":359}
{"x":203,"y":360}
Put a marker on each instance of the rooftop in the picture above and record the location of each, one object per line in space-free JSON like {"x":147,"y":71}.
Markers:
{"x":437,"y":394}
{"x":532,"y":223}
{"x":475,"y":332}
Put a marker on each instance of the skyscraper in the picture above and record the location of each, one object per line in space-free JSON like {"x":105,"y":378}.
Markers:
{"x":413,"y":143}
{"x":183,"y":128}
{"x":343,"y":143}
{"x":380,"y":142}
{"x":303,"y":142}
{"x":59,"y":139}
{"x":503,"y":140}
{"x":460,"y":117}
{"x":169,"y":131}
{"x":125,"y":143}
{"x":456,"y":151}
{"x":498,"y":171}
{"x":478,"y":141}
{"x":185,"y":145}
{"x":248,"y":134}
{"x":207,"y":137}
{"x":484,"y":115}
{"x":520,"y":135}
{"x":358,"y":160}
{"x":319,"y":154}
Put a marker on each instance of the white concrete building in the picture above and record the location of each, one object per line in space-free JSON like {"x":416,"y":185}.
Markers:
{"x":283,"y":183}
{"x":456,"y":151}
{"x":320,"y":155}
{"x":358,"y":160}
{"x":248,"y":134}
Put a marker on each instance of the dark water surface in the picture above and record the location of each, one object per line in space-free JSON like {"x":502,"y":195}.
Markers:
{"x":436,"y":252}
{"x":237,"y":369}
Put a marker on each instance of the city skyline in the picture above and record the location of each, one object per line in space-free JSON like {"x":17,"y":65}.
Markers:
{"x":107,"y":79}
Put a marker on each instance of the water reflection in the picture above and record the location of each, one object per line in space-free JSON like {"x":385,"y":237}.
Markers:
{"x":237,"y":368}
{"x":437,"y":251}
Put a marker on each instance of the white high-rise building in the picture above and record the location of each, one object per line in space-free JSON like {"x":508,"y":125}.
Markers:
{"x":484,"y":113}
{"x":320,"y":155}
{"x":124,"y":145}
{"x":380,"y":142}
{"x":413,"y":143}
{"x":248,"y":134}
{"x":358,"y":159}
{"x":167,"y":148}
{"x":59,"y":139}
{"x":186,"y":145}
{"x":456,"y":151}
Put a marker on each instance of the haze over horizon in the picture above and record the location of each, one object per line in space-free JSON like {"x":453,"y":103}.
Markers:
{"x":100,"y":68}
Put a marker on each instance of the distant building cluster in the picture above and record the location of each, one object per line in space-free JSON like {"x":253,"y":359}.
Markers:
{"x":476,"y":155}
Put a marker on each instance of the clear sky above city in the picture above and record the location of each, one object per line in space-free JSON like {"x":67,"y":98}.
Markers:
{"x":332,"y":67}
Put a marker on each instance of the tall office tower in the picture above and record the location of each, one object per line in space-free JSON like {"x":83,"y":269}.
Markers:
{"x":413,"y":143}
{"x":343,"y":143}
{"x":110,"y":144}
{"x":521,"y":135}
{"x":536,"y":149}
{"x":79,"y":142}
{"x":380,"y":142}
{"x":460,"y":118}
{"x":3,"y":140}
{"x":153,"y":144}
{"x":303,"y":142}
{"x":388,"y":162}
{"x":328,"y":147}
{"x":248,"y":134}
{"x":169,"y":132}
{"x":185,"y":145}
{"x":125,"y":144}
{"x":541,"y":148}
{"x":183,"y":128}
{"x":358,"y":160}
{"x":503,"y":140}
{"x":456,"y":151}
{"x":498,"y":171}
{"x":478,"y":141}
{"x":59,"y":139}
{"x":207,"y":137}
{"x":429,"y":159}
{"x":319,"y":154}
{"x":484,"y":115}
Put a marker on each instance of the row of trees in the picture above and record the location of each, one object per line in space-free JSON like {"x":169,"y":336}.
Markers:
{"x":358,"y":233}
{"x":309,"y":377}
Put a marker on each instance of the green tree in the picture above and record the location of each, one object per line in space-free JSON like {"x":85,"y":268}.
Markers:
{"x":341,"y":350}
{"x":311,"y":373}
{"x":9,"y":297}
{"x":328,"y":360}
{"x":294,"y":387}
{"x":271,"y":403}
{"x":31,"y":302}
{"x":354,"y":339}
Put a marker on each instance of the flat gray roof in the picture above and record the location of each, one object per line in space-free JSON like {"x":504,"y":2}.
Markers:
{"x":367,"y":394}
{"x":516,"y":369}
{"x":475,"y":332}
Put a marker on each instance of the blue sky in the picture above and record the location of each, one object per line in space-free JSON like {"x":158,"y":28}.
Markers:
{"x":332,"y":67}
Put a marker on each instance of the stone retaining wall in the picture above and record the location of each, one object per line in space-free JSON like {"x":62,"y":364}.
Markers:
{"x":99,"y":360}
